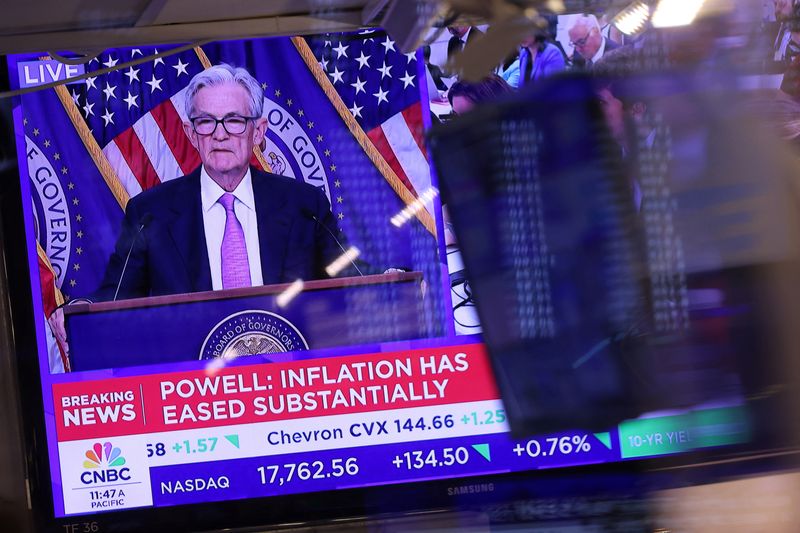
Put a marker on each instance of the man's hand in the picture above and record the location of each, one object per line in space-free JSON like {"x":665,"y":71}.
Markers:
{"x":56,"y":322}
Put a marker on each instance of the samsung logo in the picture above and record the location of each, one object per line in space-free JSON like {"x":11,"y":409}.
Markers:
{"x":470,"y":489}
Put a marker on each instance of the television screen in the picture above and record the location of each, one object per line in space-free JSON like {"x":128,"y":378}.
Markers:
{"x":241,"y":288}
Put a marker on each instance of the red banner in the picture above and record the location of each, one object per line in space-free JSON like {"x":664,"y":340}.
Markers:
{"x":272,"y":391}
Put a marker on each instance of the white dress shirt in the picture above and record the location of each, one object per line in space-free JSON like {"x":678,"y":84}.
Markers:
{"x":600,"y":51}
{"x":214,"y":224}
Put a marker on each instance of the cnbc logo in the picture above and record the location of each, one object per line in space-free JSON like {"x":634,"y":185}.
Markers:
{"x":102,"y":465}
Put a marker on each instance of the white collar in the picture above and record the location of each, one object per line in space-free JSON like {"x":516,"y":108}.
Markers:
{"x":600,"y":51}
{"x":210,"y":191}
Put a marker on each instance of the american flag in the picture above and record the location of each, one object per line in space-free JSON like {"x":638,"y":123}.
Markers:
{"x":135,"y":114}
{"x":380,"y":87}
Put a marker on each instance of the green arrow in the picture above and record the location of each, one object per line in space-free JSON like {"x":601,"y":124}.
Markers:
{"x":483,"y":449}
{"x":605,"y":438}
{"x":233,"y":439}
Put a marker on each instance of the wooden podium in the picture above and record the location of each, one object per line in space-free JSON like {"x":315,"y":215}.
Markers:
{"x":272,"y":320}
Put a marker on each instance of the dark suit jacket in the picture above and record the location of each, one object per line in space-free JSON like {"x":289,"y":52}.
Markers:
{"x":579,"y":61}
{"x":170,"y":254}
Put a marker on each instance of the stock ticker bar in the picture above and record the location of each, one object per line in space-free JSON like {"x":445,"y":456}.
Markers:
{"x":315,"y":425}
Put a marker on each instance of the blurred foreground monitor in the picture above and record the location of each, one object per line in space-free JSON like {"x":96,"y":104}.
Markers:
{"x":624,"y":264}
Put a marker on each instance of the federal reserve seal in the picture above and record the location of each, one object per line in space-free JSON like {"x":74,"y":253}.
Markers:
{"x":252,"y":332}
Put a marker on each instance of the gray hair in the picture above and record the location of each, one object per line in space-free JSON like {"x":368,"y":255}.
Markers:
{"x":221,"y":74}
{"x":588,"y":21}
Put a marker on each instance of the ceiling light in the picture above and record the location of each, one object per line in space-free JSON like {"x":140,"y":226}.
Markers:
{"x":671,"y":13}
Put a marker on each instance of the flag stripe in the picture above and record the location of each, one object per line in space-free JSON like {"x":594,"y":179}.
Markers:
{"x":171,"y":126}
{"x":170,"y":123}
{"x":413,"y":116}
{"x":380,"y":142}
{"x":156,"y":148}
{"x":407,"y":153}
{"x":122,"y":169}
{"x":136,"y":157}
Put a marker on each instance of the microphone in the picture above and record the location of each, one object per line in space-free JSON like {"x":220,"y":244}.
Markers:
{"x":310,"y":214}
{"x":144,"y":221}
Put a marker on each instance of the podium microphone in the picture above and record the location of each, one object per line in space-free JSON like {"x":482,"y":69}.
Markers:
{"x":310,"y":214}
{"x":145,"y":220}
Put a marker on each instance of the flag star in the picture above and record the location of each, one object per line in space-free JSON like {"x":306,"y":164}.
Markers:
{"x":154,"y":84}
{"x":388,"y":44}
{"x":408,"y":79}
{"x":56,"y":156}
{"x":93,"y":60}
{"x":264,"y":86}
{"x":76,"y":266}
{"x":310,"y":125}
{"x":71,"y":185}
{"x":47,"y":143}
{"x":337,"y":76}
{"x":78,"y":217}
{"x":328,"y":43}
{"x":356,"y":111}
{"x":111,"y":62}
{"x":87,"y":109}
{"x":108,"y":117}
{"x":79,"y":250}
{"x":75,"y":98}
{"x":319,"y":138}
{"x":341,"y":216}
{"x":411,"y":56}
{"x":300,"y":113}
{"x":180,"y":68}
{"x":327,"y":153}
{"x":158,"y":59}
{"x":339,"y":199}
{"x":333,"y":168}
{"x":289,"y":102}
{"x":384,"y":70}
{"x":337,"y":183}
{"x":79,"y":234}
{"x":277,"y":92}
{"x":64,"y":171}
{"x":36,"y":132}
{"x":72,"y":283}
{"x":363,"y":61}
{"x":341,"y":50}
{"x":381,"y":96}
{"x":359,"y":86}
{"x":136,"y":51}
{"x":109,"y":91}
{"x":90,"y":82}
{"x":133,"y":74}
{"x":24,"y":121}
{"x":324,"y":64}
{"x":131,"y":100}
{"x":75,"y":201}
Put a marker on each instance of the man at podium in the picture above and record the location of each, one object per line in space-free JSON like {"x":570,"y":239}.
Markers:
{"x":227,"y":224}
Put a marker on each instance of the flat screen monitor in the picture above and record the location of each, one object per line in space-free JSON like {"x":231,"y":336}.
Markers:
{"x":241,"y":294}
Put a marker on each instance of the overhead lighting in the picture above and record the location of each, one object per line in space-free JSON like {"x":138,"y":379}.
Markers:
{"x":633,"y":18}
{"x":672,"y":13}
{"x":289,"y":293}
{"x":338,"y":264}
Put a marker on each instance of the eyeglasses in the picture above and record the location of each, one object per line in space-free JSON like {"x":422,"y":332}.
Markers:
{"x":580,"y":43}
{"x":233,"y":124}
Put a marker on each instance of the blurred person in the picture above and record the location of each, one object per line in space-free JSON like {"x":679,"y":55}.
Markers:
{"x":435,"y":71}
{"x":464,"y":97}
{"x":786,"y":17}
{"x":509,"y":69}
{"x":538,"y":59}
{"x":608,"y":30}
{"x":589,"y":43}
{"x":460,"y":37}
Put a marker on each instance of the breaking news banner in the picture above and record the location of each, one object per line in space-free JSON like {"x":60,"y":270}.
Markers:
{"x":299,"y":426}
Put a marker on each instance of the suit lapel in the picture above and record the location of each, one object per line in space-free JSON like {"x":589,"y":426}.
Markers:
{"x":273,"y":224}
{"x":188,"y":232}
